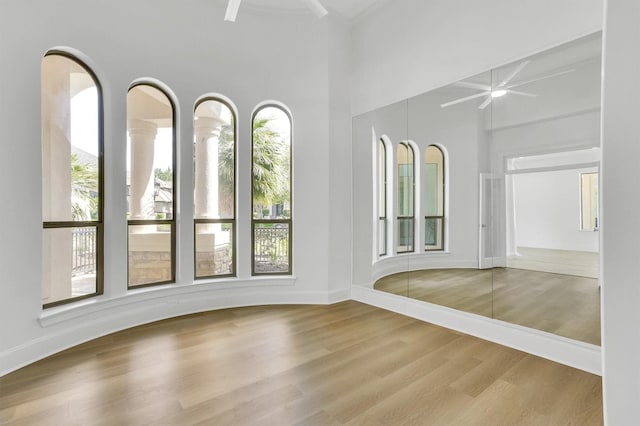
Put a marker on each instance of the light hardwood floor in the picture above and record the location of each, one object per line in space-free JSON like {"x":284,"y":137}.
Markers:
{"x":565,"y":305}
{"x":347,"y":363}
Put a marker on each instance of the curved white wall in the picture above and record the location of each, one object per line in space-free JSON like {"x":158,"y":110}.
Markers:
{"x":188,"y":46}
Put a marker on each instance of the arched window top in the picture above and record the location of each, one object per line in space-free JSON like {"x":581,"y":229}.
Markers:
{"x":433,"y":154}
{"x":72,"y":115}
{"x":72,"y":179}
{"x":273,"y":105}
{"x":216,"y":97}
{"x":271,"y":185}
{"x":277,"y":118}
{"x":433,"y":187}
{"x":151,"y":189}
{"x":218,"y":113}
{"x":151,"y":101}
{"x":405,"y":153}
{"x":214,"y":123}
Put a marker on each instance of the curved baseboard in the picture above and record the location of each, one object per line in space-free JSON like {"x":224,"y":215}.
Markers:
{"x":583,"y":356}
{"x":68,"y":326}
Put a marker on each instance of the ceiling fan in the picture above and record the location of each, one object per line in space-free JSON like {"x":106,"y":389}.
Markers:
{"x":233,"y":6}
{"x":502,"y":88}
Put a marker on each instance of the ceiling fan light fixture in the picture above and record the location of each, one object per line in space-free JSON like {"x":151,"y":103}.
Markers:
{"x":498,"y":93}
{"x":317,"y":8}
{"x":232,"y":10}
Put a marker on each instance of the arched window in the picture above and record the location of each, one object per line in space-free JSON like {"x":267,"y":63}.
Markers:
{"x":214,"y":192}
{"x":433,"y":199}
{"x":271,"y":191}
{"x":72,"y":180}
{"x":151,"y":194}
{"x":382,"y":198}
{"x":406,"y":193}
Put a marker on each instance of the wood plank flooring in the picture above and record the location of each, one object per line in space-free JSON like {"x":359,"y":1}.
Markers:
{"x":342,"y":364}
{"x":565,"y":305}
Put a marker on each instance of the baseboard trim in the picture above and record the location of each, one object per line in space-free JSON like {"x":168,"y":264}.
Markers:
{"x":67,"y":329}
{"x":583,"y":356}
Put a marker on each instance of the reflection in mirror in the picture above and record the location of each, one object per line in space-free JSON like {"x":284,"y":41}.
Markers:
{"x":433,"y":207}
{"x":384,"y":190}
{"x":506,"y":190}
{"x":382,"y":198}
{"x":406,"y":188}
{"x":545,"y":141}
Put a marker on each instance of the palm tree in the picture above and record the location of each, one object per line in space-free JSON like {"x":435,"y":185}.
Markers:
{"x":84,"y":190}
{"x":271,"y":165}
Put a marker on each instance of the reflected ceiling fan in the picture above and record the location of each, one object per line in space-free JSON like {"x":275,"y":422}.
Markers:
{"x":502,"y":88}
{"x":233,"y":6}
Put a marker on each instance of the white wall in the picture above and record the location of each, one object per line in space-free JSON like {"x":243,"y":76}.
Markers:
{"x":620,"y":204}
{"x":283,"y":57}
{"x":411,"y":46}
{"x":547,"y":211}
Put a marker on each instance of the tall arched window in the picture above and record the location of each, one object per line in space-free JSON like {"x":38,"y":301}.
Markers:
{"x":271,"y":191}
{"x":214,"y":192}
{"x":151,"y":170}
{"x":433,"y":199}
{"x":406,"y":193}
{"x":72,"y":180}
{"x":382,"y":198}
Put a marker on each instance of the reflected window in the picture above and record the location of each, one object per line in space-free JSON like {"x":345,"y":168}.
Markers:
{"x":214,"y":192}
{"x":382,"y":198}
{"x":433,"y":198}
{"x":271,"y":191}
{"x":406,"y":184}
{"x":71,"y":180}
{"x":150,"y":186}
{"x":589,"y":202}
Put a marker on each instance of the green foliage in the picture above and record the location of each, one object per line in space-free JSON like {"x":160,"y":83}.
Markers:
{"x":84,"y":190}
{"x":271,"y":166}
{"x":164,"y":175}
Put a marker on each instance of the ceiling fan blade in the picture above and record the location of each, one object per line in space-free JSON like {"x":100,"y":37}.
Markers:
{"x":515,"y":72}
{"x":515,"y":92}
{"x":232,"y":10}
{"x":486,"y":102}
{"x":544,"y":77}
{"x":316,"y":7}
{"x":472,"y":85}
{"x":466,"y":98}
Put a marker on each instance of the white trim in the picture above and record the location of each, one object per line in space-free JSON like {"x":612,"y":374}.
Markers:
{"x":73,"y":327}
{"x":583,"y":356}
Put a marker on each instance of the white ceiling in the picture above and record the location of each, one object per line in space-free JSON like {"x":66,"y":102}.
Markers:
{"x":349,"y":9}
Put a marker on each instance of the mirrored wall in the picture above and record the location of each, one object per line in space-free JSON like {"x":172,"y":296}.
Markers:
{"x":482,"y":196}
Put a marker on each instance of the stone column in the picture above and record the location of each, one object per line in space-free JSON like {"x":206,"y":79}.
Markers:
{"x":56,"y":178}
{"x":207,"y":135}
{"x":141,"y":201}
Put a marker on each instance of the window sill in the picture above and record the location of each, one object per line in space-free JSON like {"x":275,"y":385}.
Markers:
{"x":162,"y":294}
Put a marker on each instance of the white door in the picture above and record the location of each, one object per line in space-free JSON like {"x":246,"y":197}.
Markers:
{"x":491,"y":227}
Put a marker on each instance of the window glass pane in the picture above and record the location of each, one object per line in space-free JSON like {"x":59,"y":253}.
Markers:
{"x":271,"y":247}
{"x":149,"y":154}
{"x":214,"y":134}
{"x":405,"y":180}
{"x":70,"y":141}
{"x":150,"y":254}
{"x":271,"y":180}
{"x":433,"y":182}
{"x":433,"y":230}
{"x":69,"y":263}
{"x":382,"y":180}
{"x":405,"y":235}
{"x":214,"y":249}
